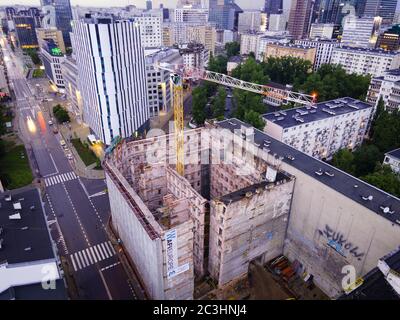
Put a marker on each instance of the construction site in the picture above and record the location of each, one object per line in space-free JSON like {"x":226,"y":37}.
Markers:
{"x":250,"y":218}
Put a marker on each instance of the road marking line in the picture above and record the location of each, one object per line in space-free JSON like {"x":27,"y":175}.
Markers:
{"x":89,"y":256}
{"x":73,"y":262}
{"x":97,"y":253}
{"x":108,"y":249}
{"x":111,"y":246}
{"x":110,"y":266}
{"x":86,"y":258}
{"x":93,"y":254}
{"x":101,"y":252}
{"x":82,"y":260}
{"x":78,"y":261}
{"x":105,"y":250}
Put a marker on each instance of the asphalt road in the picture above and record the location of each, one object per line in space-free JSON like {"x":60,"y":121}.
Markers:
{"x":77,"y":208}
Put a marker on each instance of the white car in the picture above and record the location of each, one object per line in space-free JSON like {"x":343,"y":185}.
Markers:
{"x":50,"y":123}
{"x":70,"y":156}
{"x":192,"y":124}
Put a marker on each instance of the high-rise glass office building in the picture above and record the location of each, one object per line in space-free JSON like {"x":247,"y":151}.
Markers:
{"x":382,"y":8}
{"x":63,"y":14}
{"x":224,"y":13}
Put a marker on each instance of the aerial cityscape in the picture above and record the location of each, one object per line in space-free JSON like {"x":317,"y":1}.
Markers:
{"x":200,"y":150}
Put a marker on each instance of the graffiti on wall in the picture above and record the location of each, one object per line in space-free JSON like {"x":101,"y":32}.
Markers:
{"x":337,"y":241}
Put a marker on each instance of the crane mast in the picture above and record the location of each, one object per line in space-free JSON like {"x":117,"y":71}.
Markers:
{"x":180,"y":72}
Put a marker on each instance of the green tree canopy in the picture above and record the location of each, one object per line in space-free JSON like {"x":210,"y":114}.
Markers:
{"x":218,"y":106}
{"x":61,"y":114}
{"x":366,"y":158}
{"x":386,"y":131}
{"x":343,"y":160}
{"x":254,"y":118}
{"x":217,"y":64}
{"x":384,"y":178}
{"x":199,"y":96}
{"x":232,"y":48}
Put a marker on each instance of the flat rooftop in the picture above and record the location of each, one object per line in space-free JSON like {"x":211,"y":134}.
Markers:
{"x":35,"y":292}
{"x":375,"y":286}
{"x":394,"y":153}
{"x":26,"y":239}
{"x":366,"y":50}
{"x":320,"y":111}
{"x":370,"y":197}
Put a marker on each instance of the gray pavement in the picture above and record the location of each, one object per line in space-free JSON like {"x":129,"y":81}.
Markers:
{"x":77,"y":208}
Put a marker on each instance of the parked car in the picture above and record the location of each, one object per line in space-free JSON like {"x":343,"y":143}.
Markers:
{"x":55,"y":130}
{"x":192,"y":124}
{"x":62,"y":142}
{"x":70,"y":156}
{"x":50,"y":123}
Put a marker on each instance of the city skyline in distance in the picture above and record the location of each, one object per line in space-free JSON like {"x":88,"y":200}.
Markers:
{"x":255,"y":4}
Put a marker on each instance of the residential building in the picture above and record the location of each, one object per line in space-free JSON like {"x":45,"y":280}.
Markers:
{"x":251,"y":21}
{"x":70,"y":74}
{"x":151,"y":32}
{"x":392,"y":159}
{"x":149,"y":5}
{"x":168,"y":35}
{"x":389,"y":39}
{"x":324,"y":49}
{"x":360,"y":32}
{"x":159,"y":88}
{"x":365,"y":61}
{"x":49,"y":17}
{"x":323,"y":129}
{"x":381,"y":8}
{"x":53,"y":34}
{"x":26,"y":250}
{"x":299,"y":18}
{"x":249,"y":42}
{"x":63,"y":14}
{"x":260,"y":192}
{"x":194,"y":55}
{"x":225,"y":36}
{"x":191,"y":15}
{"x":25,"y":30}
{"x":294,"y":50}
{"x":265,"y":40}
{"x":322,"y":30}
{"x":112,"y":76}
{"x":387,"y":87}
{"x":277,"y":22}
{"x":52,"y":58}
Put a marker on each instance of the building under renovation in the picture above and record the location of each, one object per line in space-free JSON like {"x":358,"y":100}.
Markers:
{"x":244,"y":197}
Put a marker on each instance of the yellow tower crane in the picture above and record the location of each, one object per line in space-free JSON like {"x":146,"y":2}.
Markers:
{"x":180,"y":72}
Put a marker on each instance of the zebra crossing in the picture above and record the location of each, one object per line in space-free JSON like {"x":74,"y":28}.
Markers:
{"x":92,"y":255}
{"x":51,"y":181}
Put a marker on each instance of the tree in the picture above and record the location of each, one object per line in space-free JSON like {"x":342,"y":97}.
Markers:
{"x":218,"y":106}
{"x":386,"y":131}
{"x":254,"y":118}
{"x":218,"y":64}
{"x":199,"y":104}
{"x":232,"y":48}
{"x":34,"y":56}
{"x":366,"y":158}
{"x":380,"y":108}
{"x":287,"y":69}
{"x":384,"y":179}
{"x":61,"y":114}
{"x":343,"y":159}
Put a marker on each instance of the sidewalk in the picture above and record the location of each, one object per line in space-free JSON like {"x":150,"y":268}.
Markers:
{"x":81,"y":132}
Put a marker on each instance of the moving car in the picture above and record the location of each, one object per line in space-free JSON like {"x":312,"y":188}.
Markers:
{"x":62,"y":142}
{"x":192,"y":124}
{"x":55,"y":130}
{"x":50,"y":123}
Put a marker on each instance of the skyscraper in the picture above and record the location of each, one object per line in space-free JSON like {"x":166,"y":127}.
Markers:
{"x":300,"y":18}
{"x":224,"y":13}
{"x":149,"y":5}
{"x":111,"y":68}
{"x":273,"y":6}
{"x":382,"y":8}
{"x":63,"y":14}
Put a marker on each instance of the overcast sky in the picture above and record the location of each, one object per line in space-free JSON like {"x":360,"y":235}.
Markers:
{"x":245,"y":4}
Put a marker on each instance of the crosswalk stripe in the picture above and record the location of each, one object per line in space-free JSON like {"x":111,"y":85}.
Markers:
{"x":108,"y":249}
{"x":67,"y":176}
{"x":93,"y":254}
{"x":105,"y":250}
{"x":101,"y":252}
{"x":85,"y":258}
{"x":111,"y":247}
{"x":73,"y":262}
{"x":82,"y":260}
{"x":89,"y":256}
{"x":78,"y":261}
{"x":97,"y":253}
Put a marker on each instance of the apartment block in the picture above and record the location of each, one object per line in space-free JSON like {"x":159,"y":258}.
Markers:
{"x":386,"y":87}
{"x":365,"y":61}
{"x":159,"y":88}
{"x":322,"y":30}
{"x":360,"y":31}
{"x":322,"y":129}
{"x":392,"y":159}
{"x":324,"y":49}
{"x":52,"y":58}
{"x":278,"y":50}
{"x":249,"y":42}
{"x":265,"y":40}
{"x":151,"y":32}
